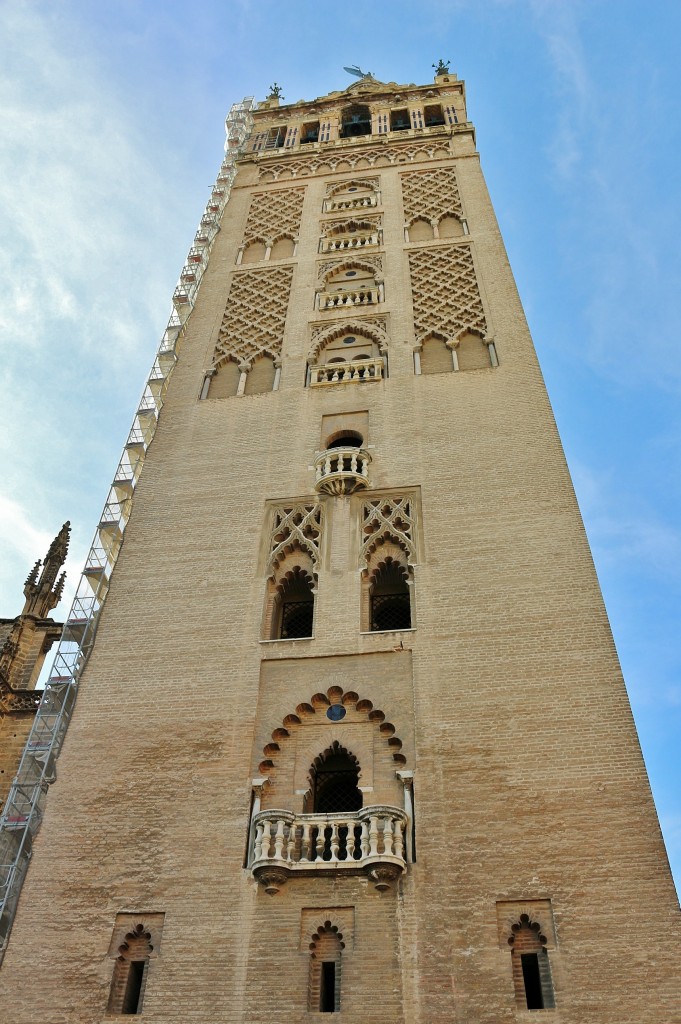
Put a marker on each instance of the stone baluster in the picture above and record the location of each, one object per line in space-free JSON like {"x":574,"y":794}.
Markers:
{"x":319,"y":845}
{"x":353,"y":463}
{"x":334,"y":842}
{"x":305,"y":843}
{"x":388,"y":836}
{"x":364,"y":840}
{"x":279,"y":840}
{"x":365,"y":467}
{"x":373,"y":836}
{"x":327,"y":465}
{"x":399,"y":843}
{"x":259,"y":836}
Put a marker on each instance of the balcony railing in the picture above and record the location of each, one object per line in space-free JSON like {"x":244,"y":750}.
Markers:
{"x":344,"y":373}
{"x":342,"y":470}
{"x":370,"y":841}
{"x":343,"y":243}
{"x":355,"y":297}
{"x":351,"y":203}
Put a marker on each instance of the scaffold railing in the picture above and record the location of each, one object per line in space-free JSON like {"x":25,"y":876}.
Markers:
{"x":24,"y":808}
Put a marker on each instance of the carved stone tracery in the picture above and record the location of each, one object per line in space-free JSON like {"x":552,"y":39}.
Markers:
{"x":294,"y":526}
{"x":388,"y":519}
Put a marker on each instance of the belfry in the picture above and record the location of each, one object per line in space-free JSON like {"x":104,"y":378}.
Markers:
{"x":352,"y":736}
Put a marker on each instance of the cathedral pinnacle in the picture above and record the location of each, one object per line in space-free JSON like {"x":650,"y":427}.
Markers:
{"x":41,"y":593}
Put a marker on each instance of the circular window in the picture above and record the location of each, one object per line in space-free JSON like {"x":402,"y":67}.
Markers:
{"x":351,"y":273}
{"x":350,"y":340}
{"x":335,"y":713}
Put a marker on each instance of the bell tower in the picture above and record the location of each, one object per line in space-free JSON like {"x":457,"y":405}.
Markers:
{"x":353,"y":737}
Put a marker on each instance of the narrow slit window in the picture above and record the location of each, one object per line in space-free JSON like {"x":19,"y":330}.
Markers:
{"x":327,"y":987}
{"x":532,"y":981}
{"x":133,"y":988}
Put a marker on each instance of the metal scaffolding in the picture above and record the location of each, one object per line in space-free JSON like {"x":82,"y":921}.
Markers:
{"x":25,"y":804}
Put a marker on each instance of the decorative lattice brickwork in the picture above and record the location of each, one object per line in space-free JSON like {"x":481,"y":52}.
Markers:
{"x":254,"y":318}
{"x":384,"y":519}
{"x":431,"y":194}
{"x":387,"y":155}
{"x":273,"y":214}
{"x":295,"y":526}
{"x":445,"y":292}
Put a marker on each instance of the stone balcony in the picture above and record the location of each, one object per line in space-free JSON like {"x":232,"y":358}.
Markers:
{"x":342,"y":470}
{"x":345,"y":373}
{"x":370,"y":841}
{"x":350,"y":298}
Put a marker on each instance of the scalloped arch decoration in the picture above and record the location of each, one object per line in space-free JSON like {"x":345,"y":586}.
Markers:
{"x":319,"y":702}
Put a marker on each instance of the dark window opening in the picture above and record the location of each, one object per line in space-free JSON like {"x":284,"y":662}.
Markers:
{"x":348,"y":439}
{"x":335,"y":787}
{"x":390,"y":601}
{"x":296,"y":619}
{"x":532,"y":981}
{"x":434,"y":116}
{"x":296,"y":608}
{"x":327,"y":987}
{"x":356,"y":120}
{"x":275,"y":138}
{"x":133,"y":987}
{"x":399,"y":120}
{"x":309,"y":132}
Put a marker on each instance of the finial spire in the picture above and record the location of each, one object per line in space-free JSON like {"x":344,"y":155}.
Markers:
{"x":40,"y":591}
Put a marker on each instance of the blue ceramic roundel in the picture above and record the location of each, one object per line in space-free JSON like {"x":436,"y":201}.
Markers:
{"x":336,"y":712}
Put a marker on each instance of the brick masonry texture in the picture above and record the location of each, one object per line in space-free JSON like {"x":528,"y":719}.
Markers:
{"x":529,"y":782}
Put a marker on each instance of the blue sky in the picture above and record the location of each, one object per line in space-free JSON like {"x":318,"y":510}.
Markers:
{"x":111,"y":134}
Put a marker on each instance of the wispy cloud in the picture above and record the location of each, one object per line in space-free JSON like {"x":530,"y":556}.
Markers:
{"x":80,"y":185}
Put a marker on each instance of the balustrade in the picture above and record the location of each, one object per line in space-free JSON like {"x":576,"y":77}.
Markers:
{"x":342,"y":470}
{"x":343,"y":373}
{"x":351,"y":203}
{"x":351,"y":297}
{"x":371,"y":840}
{"x":342,"y":243}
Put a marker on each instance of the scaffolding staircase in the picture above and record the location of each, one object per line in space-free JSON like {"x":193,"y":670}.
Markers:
{"x":25,"y":804}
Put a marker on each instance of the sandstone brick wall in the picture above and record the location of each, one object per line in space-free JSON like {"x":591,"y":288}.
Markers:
{"x":507,"y":695}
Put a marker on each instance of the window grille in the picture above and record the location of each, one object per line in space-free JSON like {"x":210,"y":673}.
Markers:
{"x":296,"y":619}
{"x":390,"y":611}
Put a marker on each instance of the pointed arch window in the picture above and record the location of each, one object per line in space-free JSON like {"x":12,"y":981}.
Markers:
{"x":295,"y":611}
{"x":335,"y":778}
{"x":389,"y":598}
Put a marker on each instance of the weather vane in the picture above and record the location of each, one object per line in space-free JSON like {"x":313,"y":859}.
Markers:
{"x":357,"y":72}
